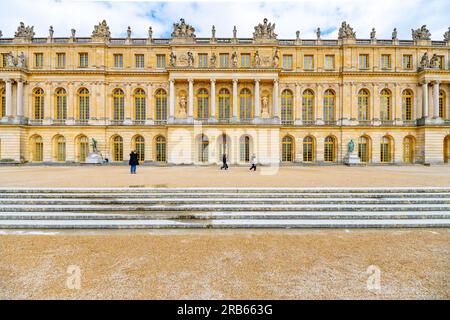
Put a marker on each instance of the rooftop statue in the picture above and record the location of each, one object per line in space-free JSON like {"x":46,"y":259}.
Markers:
{"x":150,"y":32}
{"x":24,"y":32}
{"x":346,"y":32}
{"x":101,"y":31}
{"x":265,"y":31}
{"x":446,"y":35}
{"x":318,"y":33}
{"x":234,"y":32}
{"x":51,"y":32}
{"x":421,"y":34}
{"x":1,"y":34}
{"x":373,"y":34}
{"x":394,"y":34}
{"x":129,"y":32}
{"x":183,"y":30}
{"x":73,"y":32}
{"x":213,"y":33}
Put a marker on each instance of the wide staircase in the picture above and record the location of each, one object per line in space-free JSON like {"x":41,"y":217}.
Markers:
{"x":131,"y":208}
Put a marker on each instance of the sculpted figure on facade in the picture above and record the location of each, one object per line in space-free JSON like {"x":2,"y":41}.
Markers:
{"x":190,"y":59}
{"x":101,"y":31}
{"x":446,"y":35}
{"x":213,"y":33}
{"x":213,"y":60}
{"x":275,"y":59}
{"x":257,"y":59}
{"x":318,"y":33}
{"x":21,"y":60}
{"x":424,"y":62}
{"x":234,"y":32}
{"x":297,"y":35}
{"x":25,"y":33}
{"x":10,"y":60}
{"x":183,"y":30}
{"x":129,"y":32}
{"x":394,"y":34}
{"x":265,"y":30}
{"x":265,"y":107}
{"x":346,"y":32}
{"x":234,"y":59}
{"x":183,"y":103}
{"x":434,"y":62}
{"x":51,"y":32}
{"x":172,"y":59}
{"x":150,"y":33}
{"x":373,"y":34}
{"x":421,"y":34}
{"x":73,"y":32}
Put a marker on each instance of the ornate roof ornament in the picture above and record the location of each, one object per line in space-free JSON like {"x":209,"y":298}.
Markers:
{"x":421,"y":34}
{"x":24,"y":33}
{"x":446,"y":35}
{"x":425,"y":61}
{"x":265,"y":31}
{"x":182,"y":30}
{"x":346,"y":32}
{"x":101,"y":31}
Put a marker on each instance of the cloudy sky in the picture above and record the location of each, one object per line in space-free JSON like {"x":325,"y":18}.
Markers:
{"x":289,"y":16}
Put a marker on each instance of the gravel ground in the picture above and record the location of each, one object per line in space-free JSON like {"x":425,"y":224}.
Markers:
{"x":226,"y":264}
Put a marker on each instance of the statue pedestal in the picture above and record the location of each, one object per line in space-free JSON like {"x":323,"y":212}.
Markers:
{"x":352,"y":159}
{"x":94,"y":158}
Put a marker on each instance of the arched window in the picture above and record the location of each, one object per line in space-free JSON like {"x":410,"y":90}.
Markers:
{"x":37,"y":149}
{"x":202,"y":104}
{"x":442,"y":105}
{"x":119,"y":105}
{"x":38,"y":104}
{"x":386,"y":150}
{"x":385,"y":102}
{"x":287,"y":149}
{"x":83,"y":148}
{"x":408,"y":150}
{"x":407,"y":105}
{"x":329,"y":149}
{"x":139,"y":147}
{"x":447,"y":149}
{"x":61,"y":104}
{"x":308,"y":106}
{"x":245,"y":104}
{"x":364,"y":149}
{"x":308,"y":149}
{"x":203,"y":144}
{"x":161,"y":105}
{"x":244,"y":149}
{"x":287,"y":112}
{"x":83,"y":105}
{"x":2,"y":103}
{"x":60,"y":149}
{"x":329,"y":106}
{"x":117,"y":148}
{"x":363,"y":105}
{"x":224,"y":104}
{"x":160,"y":149}
{"x":139,"y":105}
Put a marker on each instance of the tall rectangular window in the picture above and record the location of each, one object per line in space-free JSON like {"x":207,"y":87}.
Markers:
{"x":385,"y":62}
{"x":407,"y":61}
{"x":329,"y":62}
{"x":308,"y":62}
{"x":287,"y":61}
{"x":83,"y":60}
{"x":245,"y":60}
{"x":160,"y":61}
{"x":4,"y":57}
{"x":39,"y":60}
{"x":364,"y":61}
{"x":223,"y":60}
{"x":441,"y":62}
{"x":118,"y":61}
{"x":61,"y":60}
{"x":202,"y":60}
{"x":139,"y":61}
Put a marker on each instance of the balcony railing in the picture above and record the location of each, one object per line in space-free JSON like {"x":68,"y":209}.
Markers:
{"x":160,"y":122}
{"x":59,"y":121}
{"x":35,"y":121}
{"x":285,"y":122}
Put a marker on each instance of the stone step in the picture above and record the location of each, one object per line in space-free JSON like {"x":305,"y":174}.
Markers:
{"x":224,"y":207}
{"x":158,"y":224}
{"x":106,"y":196}
{"x":223,"y":215}
{"x":254,"y":201}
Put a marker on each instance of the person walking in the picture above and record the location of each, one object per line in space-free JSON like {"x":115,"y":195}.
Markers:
{"x":133,"y":162}
{"x":253,"y":162}
{"x":224,"y":160}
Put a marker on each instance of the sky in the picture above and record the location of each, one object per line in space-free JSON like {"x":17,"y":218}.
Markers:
{"x":289,"y":17}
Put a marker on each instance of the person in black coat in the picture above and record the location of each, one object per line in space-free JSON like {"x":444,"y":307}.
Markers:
{"x":133,"y":161}
{"x":224,"y":160}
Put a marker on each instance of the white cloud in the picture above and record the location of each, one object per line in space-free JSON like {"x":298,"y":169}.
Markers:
{"x":302,"y":15}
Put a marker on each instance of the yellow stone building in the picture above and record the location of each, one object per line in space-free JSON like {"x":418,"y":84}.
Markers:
{"x":187,"y":100}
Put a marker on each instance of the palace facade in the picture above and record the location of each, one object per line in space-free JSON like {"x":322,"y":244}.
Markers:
{"x":188,"y":100}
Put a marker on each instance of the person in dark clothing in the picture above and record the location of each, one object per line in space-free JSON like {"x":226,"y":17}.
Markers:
{"x":224,"y":160}
{"x":133,"y":162}
{"x":253,"y":163}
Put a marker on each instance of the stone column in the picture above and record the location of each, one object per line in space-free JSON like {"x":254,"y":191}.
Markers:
{"x":257,"y":100}
{"x":191,"y":99}
{"x":212,"y":116}
{"x":235,"y":101}
{"x":171,"y":99}
{"x":425,"y":100}
{"x":19,"y":100}
{"x":8,"y":99}
{"x":436,"y":117}
{"x":275,"y":99}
